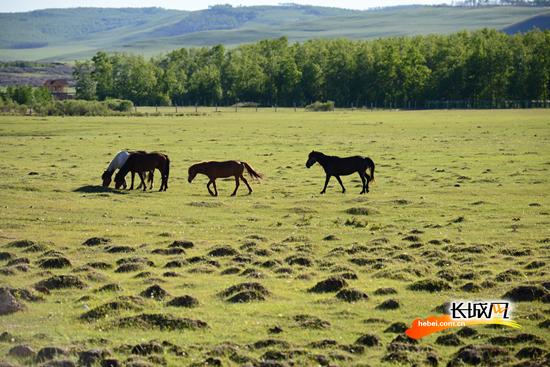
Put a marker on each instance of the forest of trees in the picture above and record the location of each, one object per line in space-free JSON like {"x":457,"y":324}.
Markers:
{"x":484,"y":65}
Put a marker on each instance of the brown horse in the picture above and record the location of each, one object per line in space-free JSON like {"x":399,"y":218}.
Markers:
{"x":216,"y":170}
{"x":143,"y":162}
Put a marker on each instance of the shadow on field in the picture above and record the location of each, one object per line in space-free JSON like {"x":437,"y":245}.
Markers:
{"x":92,"y":189}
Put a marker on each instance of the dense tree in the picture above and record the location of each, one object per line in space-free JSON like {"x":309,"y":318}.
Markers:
{"x":484,"y":65}
{"x":85,"y":84}
{"x":103,"y":75}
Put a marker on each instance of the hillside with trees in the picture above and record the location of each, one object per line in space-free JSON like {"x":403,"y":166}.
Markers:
{"x":484,"y":65}
{"x":73,"y":34}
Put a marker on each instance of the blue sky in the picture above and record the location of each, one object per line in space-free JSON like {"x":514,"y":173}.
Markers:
{"x":26,"y":5}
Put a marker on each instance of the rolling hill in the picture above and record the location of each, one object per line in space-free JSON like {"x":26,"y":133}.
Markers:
{"x":69,"y":34}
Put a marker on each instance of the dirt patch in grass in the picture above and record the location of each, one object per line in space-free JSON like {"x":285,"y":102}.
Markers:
{"x":155,"y":292}
{"x":245,"y":292}
{"x":183,"y":301}
{"x":54,"y":263}
{"x":60,"y":282}
{"x":181,"y":244}
{"x":361,"y":211}
{"x":5,"y":256}
{"x":389,"y":304}
{"x":384,"y":291}
{"x":527,"y":293}
{"x":368,"y":340}
{"x":99,"y":265}
{"x":129,"y":268}
{"x":396,"y":328}
{"x":231,"y":271}
{"x":429,"y":285}
{"x":111,"y":287}
{"x":293,"y":239}
{"x":205,"y":204}
{"x":351,"y":295}
{"x":147,"y":348}
{"x":449,"y":340}
{"x":8,"y":303}
{"x":299,"y":260}
{"x":480,"y":354}
{"x":310,"y":322}
{"x":516,"y":339}
{"x":96,"y":241}
{"x":48,"y":353}
{"x":168,"y":251}
{"x":332,"y":284}
{"x":222,"y":251}
{"x":246,"y":296}
{"x":110,"y":308}
{"x":160,"y":321}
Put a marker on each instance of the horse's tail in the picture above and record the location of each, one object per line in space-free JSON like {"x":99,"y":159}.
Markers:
{"x":370,"y":166}
{"x":251,"y":172}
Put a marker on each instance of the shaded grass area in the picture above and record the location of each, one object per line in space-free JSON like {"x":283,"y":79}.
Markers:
{"x":459,"y":210}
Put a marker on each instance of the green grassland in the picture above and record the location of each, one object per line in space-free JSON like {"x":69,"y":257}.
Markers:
{"x":460,"y":197}
{"x":71,"y":34}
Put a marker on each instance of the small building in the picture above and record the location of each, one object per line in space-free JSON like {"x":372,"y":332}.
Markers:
{"x":59,"y":88}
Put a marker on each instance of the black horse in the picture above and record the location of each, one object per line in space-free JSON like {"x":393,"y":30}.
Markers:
{"x":336,"y":166}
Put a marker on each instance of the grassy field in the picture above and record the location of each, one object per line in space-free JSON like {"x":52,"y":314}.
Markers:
{"x":460,"y":200}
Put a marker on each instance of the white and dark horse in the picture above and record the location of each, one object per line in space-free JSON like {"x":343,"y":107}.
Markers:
{"x":117,"y":163}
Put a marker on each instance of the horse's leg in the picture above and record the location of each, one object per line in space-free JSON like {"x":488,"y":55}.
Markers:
{"x":362,"y":175}
{"x":132,"y":185}
{"x":163,"y":180}
{"x":208,"y":187}
{"x":247,"y":185}
{"x":151,"y":176}
{"x":236,"y":186}
{"x":326,"y":183}
{"x":215,"y":188}
{"x":367,"y":183}
{"x":140,"y":174}
{"x":341,"y":184}
{"x":142,"y":178}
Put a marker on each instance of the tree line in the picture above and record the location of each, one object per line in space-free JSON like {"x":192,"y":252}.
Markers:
{"x":503,"y":2}
{"x":481,"y":65}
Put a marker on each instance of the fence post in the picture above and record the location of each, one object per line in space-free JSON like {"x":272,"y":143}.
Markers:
{"x":275,"y":107}
{"x":294,"y":106}
{"x":196,"y":107}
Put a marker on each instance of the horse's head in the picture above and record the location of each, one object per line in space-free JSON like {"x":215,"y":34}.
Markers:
{"x":192,"y":172}
{"x":312,"y":158}
{"x":106,"y":177}
{"x":120,"y":181}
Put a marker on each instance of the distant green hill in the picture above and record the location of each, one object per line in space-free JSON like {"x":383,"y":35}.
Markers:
{"x":69,"y":34}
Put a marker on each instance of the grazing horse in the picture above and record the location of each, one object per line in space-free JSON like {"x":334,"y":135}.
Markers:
{"x":336,"y":166}
{"x":143,"y":162}
{"x":216,"y":170}
{"x":117,"y":163}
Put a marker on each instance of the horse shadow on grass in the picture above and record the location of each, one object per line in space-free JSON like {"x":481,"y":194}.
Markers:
{"x":96,"y":189}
